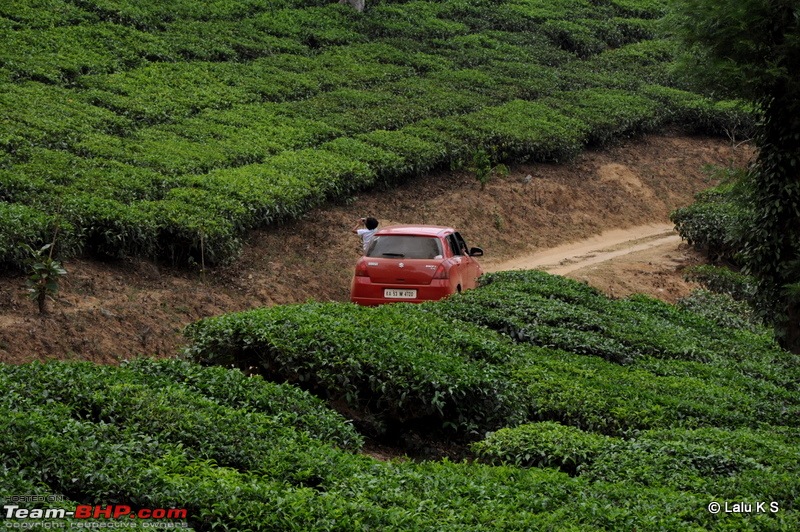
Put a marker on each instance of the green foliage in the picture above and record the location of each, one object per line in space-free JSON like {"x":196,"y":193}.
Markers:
{"x":382,"y":163}
{"x":420,"y":369}
{"x":414,"y":20}
{"x":44,"y":276}
{"x":723,"y":309}
{"x":662,"y":347}
{"x":732,"y":464}
{"x":699,"y":412}
{"x":723,"y":281}
{"x":711,"y":226}
{"x":573,"y":37}
{"x":47,"y":116}
{"x":750,"y":49}
{"x":483,"y":169}
{"x":63,"y":53}
{"x":111,"y":228}
{"x":641,"y":8}
{"x":19,"y":223}
{"x":283,"y":404}
{"x":716,"y":221}
{"x":564,"y":353}
{"x":416,"y":155}
{"x":610,"y":114}
{"x":730,"y":117}
{"x":522,"y":130}
{"x":545,"y":444}
{"x":121,"y":109}
{"x":44,"y":13}
{"x":727,"y":40}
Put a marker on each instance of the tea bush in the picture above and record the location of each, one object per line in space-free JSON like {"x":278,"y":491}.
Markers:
{"x":702,"y":114}
{"x":598,"y":396}
{"x":732,"y":464}
{"x":545,"y":444}
{"x":79,"y":387}
{"x":537,"y":308}
{"x":565,"y":352}
{"x":737,"y":285}
{"x":712,"y":223}
{"x":610,"y":114}
{"x":698,"y":412}
{"x":145,"y":99}
{"x":284,"y":404}
{"x":723,"y":309}
{"x":402,"y":365}
{"x":19,"y":224}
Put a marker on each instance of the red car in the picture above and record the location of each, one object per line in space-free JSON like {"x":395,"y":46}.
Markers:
{"x":414,"y":263}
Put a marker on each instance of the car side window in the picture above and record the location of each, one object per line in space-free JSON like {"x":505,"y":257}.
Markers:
{"x":461,"y":244}
{"x":453,"y":243}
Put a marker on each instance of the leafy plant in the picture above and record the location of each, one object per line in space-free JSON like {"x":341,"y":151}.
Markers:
{"x":722,"y":308}
{"x":483,"y":169}
{"x":44,"y":277}
{"x":545,"y":444}
{"x":405,"y":367}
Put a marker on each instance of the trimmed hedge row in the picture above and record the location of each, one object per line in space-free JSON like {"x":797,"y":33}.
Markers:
{"x":544,"y":444}
{"x":699,"y":412}
{"x":715,"y":221}
{"x":79,"y":387}
{"x":525,"y":345}
{"x":91,"y":447}
{"x":728,"y":463}
{"x":534,"y":307}
{"x":164,"y":211}
{"x":398,"y":363}
{"x":179,"y":105}
{"x":733,"y":465}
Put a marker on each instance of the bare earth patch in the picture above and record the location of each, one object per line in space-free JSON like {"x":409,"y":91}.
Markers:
{"x":647,"y":259}
{"x":110,"y":311}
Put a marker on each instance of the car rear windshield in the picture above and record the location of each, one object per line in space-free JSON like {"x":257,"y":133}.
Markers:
{"x":405,"y":247}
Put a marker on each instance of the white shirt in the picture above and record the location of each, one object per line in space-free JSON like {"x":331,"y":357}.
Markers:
{"x":366,"y":235}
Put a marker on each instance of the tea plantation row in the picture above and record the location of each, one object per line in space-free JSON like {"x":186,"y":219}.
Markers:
{"x":168,"y":133}
{"x":526,"y":346}
{"x":571,"y":438}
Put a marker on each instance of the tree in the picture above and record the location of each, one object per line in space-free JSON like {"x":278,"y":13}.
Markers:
{"x":751,"y":49}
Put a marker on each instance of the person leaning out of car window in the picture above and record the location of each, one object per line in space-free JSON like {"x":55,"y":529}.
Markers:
{"x":367,"y":232}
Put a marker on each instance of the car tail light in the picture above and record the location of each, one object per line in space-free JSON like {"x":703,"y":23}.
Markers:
{"x":361,"y":269}
{"x":441,"y":272}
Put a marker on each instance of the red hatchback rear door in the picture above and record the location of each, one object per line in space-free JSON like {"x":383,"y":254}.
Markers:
{"x":403,"y":259}
{"x":401,"y":271}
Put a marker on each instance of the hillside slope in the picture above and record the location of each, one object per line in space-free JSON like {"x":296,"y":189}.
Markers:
{"x":584,"y":413}
{"x":147,"y":131}
{"x":108,"y":311}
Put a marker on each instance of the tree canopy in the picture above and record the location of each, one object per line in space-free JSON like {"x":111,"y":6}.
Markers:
{"x":751,"y":48}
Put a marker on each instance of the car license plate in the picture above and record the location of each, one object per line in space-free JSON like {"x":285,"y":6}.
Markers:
{"x":393,"y":293}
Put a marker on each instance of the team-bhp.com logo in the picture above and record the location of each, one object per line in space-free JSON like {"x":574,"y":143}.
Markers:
{"x":86,"y":511}
{"x":87,"y":516}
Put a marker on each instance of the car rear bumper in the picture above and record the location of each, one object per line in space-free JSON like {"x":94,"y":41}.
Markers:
{"x":364,"y":292}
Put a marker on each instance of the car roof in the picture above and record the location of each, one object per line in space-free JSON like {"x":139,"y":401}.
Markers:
{"x":417,"y":230}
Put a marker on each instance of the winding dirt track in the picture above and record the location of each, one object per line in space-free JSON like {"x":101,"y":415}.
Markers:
{"x":108,"y":311}
{"x":609,"y":245}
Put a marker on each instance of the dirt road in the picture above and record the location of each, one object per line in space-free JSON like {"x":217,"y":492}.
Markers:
{"x":606,"y":246}
{"x":107,"y":311}
{"x":647,"y":259}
